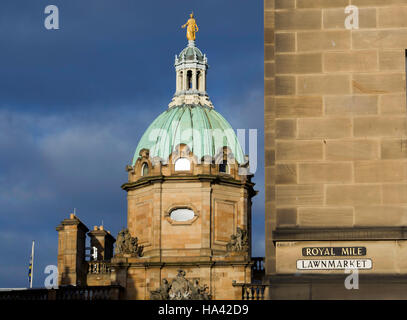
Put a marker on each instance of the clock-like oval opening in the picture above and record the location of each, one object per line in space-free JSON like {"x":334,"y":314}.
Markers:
{"x":182,"y":215}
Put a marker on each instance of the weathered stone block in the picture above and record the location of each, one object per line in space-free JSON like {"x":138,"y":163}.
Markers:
{"x":352,"y":150}
{"x":392,"y":103}
{"x":323,"y":84}
{"x":269,"y":19}
{"x":269,"y":4}
{"x":299,"y":194}
{"x":380,"y":171}
{"x":380,"y":216}
{"x":322,"y":3}
{"x":269,"y":69}
{"x":324,"y":128}
{"x":323,"y":40}
{"x":285,"y":85}
{"x":286,"y":173}
{"x":325,"y":217}
{"x":374,"y":3}
{"x":269,"y":36}
{"x":285,"y":4}
{"x":378,"y":83}
{"x":383,"y":126}
{"x":298,"y":107}
{"x":299,"y":63}
{"x":286,"y":217}
{"x":351,"y":105}
{"x":285,"y":42}
{"x":394,"y":193}
{"x":394,"y":149}
{"x":269,"y":86}
{"x":298,"y":19}
{"x":343,"y":195}
{"x":286,"y":128}
{"x":269,"y":52}
{"x":353,"y":61}
{"x":324,"y":173}
{"x":383,"y":39}
{"x":392,"y":17}
{"x":392,"y":60}
{"x":299,"y":150}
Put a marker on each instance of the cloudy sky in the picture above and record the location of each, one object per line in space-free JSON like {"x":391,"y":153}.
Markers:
{"x":75,"y":101}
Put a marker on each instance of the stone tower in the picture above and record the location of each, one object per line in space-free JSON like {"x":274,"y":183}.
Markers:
{"x":335,"y":146}
{"x":71,"y":252}
{"x":189,"y":196}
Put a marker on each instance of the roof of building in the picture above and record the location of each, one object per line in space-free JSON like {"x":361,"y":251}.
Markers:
{"x":190,"y":52}
{"x":203,"y":129}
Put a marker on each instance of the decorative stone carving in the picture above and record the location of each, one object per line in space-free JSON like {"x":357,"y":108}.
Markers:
{"x":162,"y":292}
{"x":181,"y":289}
{"x":126,"y":244}
{"x":239,"y":241}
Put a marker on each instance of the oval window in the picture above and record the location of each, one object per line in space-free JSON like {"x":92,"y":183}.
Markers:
{"x":182,"y":215}
{"x":182,"y":164}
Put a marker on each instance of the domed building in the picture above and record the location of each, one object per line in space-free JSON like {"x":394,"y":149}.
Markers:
{"x":189,"y":194}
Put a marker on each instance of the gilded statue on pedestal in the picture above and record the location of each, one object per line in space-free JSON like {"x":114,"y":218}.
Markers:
{"x":192,"y":27}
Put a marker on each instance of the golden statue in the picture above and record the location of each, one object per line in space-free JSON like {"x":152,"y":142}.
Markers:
{"x":192,"y":27}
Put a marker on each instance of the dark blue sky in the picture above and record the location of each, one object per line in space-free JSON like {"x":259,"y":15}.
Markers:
{"x":74,"y":102}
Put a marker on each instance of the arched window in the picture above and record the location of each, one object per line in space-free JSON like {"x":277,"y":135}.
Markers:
{"x":144,"y":169}
{"x":198,"y":79}
{"x":182,"y":164}
{"x":224,"y":167}
{"x":180,"y":78}
{"x":189,"y":79}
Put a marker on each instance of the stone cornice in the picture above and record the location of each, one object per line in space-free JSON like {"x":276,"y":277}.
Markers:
{"x":213,"y":179}
{"x":343,"y":234}
{"x":146,"y":264}
{"x":72,"y":222}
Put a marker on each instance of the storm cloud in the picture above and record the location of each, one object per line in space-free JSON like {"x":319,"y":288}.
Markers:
{"x":74,"y":102}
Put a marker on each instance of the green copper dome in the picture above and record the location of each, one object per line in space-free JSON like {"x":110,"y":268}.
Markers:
{"x":191,"y":53}
{"x":203,"y":129}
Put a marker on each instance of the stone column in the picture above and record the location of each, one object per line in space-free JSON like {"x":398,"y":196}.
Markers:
{"x":184,"y":80}
{"x":194,"y":80}
{"x":203,"y":80}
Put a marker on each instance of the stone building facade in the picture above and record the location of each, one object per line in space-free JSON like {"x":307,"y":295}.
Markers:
{"x":335,"y":145}
{"x":189,"y":194}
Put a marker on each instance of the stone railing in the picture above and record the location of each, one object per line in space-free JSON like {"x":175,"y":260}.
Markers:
{"x":98,"y":267}
{"x":252,"y":291}
{"x":113,"y":292}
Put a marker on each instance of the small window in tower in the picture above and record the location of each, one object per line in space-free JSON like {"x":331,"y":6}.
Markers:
{"x":182,"y":215}
{"x":198,"y":78}
{"x":189,"y":79}
{"x":180,"y":85}
{"x":182,"y":164}
{"x":144,"y":169}
{"x":224,"y":167}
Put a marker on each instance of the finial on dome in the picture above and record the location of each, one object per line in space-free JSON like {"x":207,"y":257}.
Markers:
{"x":192,"y":28}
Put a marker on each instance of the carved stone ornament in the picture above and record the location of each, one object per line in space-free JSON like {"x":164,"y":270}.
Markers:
{"x":239,"y":241}
{"x":180,"y":289}
{"x":126,"y":244}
